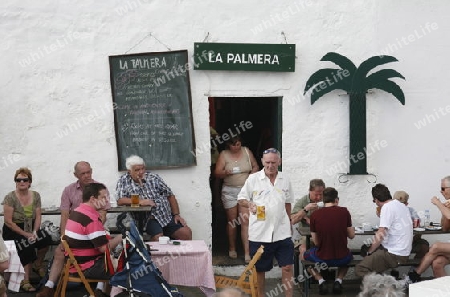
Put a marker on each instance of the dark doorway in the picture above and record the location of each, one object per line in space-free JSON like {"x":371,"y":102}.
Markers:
{"x":228,"y":115}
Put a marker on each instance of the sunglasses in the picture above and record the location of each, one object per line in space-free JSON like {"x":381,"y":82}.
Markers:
{"x":275,"y":151}
{"x":25,"y":180}
{"x":443,"y":188}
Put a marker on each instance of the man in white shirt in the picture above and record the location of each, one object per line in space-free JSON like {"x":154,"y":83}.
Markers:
{"x":268,"y":195}
{"x":392,"y":242}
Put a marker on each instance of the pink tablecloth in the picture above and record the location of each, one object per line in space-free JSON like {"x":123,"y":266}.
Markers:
{"x":15,"y":269}
{"x":188,"y":264}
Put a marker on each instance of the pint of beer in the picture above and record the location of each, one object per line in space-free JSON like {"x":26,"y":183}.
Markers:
{"x":134,"y":200}
{"x":260,"y":212}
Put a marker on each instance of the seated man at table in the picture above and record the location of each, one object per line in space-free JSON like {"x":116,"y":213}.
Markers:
{"x":305,"y":206}
{"x":86,"y":235}
{"x":392,"y":242}
{"x":165,"y":218}
{"x":439,"y":255}
{"x":330,"y":228}
{"x":71,"y":198}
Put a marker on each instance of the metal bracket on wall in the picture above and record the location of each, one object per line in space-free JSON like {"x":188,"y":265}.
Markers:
{"x":375,"y":178}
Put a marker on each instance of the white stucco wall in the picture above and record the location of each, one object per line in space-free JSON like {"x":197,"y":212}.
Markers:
{"x":54,"y":56}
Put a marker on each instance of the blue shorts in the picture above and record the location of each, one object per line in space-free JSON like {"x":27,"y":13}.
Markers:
{"x":282,"y":250}
{"x":153,"y":228}
{"x":310,"y":255}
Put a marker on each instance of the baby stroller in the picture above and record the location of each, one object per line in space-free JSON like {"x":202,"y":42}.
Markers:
{"x":139,"y":275}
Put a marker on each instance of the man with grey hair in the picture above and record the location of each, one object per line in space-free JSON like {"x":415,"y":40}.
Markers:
{"x":378,"y":285}
{"x":268,"y":195}
{"x":305,"y":206}
{"x":165,"y":218}
{"x":439,"y":254}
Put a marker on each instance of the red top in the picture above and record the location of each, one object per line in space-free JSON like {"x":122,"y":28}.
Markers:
{"x":330,"y":225}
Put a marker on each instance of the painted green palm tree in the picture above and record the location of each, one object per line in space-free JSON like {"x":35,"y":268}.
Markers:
{"x":356,"y":83}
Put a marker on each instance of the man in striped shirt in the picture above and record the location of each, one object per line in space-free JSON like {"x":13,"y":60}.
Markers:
{"x":86,"y":235}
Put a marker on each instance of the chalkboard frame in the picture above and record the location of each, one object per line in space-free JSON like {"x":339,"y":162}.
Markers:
{"x":120,"y":146}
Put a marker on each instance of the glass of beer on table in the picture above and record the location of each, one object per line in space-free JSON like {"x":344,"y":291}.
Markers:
{"x":134,"y":200}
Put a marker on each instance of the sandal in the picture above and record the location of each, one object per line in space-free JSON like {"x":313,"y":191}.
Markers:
{"x":232,"y":254}
{"x":247,"y":259}
{"x":26,"y":286}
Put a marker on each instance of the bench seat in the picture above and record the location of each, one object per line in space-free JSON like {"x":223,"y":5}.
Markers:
{"x":306,"y":279}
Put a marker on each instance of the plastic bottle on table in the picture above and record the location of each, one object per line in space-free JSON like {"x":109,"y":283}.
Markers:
{"x":427,"y":218}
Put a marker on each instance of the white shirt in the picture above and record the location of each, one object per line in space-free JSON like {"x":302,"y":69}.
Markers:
{"x":260,"y":190}
{"x":395,"y":216}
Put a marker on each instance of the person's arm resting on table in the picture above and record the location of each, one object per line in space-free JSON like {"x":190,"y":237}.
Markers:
{"x":377,"y":239}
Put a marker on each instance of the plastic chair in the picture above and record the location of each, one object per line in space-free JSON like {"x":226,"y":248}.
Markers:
{"x":247,"y":281}
{"x":77,"y":277}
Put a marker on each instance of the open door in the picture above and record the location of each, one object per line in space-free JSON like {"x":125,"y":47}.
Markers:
{"x":227,"y":116}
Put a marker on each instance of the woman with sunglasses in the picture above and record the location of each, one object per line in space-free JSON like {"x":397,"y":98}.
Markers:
{"x":22,"y":215}
{"x":234,"y":166}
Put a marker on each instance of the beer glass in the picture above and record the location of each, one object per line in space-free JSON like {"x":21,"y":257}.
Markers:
{"x":260,"y":212}
{"x":134,"y":200}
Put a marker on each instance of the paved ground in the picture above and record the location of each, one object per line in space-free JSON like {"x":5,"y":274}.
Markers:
{"x":272,"y":289}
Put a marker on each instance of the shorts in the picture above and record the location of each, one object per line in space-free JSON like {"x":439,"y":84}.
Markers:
{"x":229,"y":196}
{"x":379,"y":261}
{"x":310,"y":255}
{"x":282,"y":250}
{"x":153,"y":228}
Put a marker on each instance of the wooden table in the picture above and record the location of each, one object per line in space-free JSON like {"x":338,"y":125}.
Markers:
{"x":306,"y":231}
{"x":118,"y":209}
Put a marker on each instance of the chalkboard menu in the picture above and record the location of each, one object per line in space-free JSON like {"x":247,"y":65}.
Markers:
{"x":152,"y":108}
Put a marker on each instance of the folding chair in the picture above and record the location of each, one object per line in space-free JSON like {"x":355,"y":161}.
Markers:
{"x":77,"y":277}
{"x":247,"y":281}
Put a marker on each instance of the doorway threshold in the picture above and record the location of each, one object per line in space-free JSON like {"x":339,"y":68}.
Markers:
{"x":223,"y":260}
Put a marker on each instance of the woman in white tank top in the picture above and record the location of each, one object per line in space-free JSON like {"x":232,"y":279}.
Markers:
{"x":234,"y":166}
